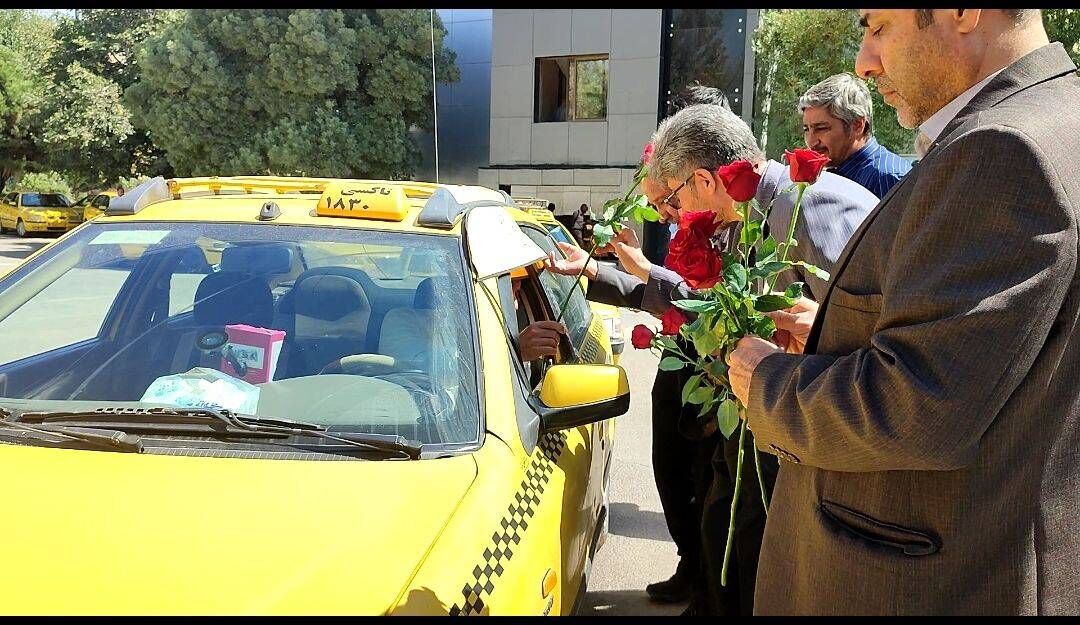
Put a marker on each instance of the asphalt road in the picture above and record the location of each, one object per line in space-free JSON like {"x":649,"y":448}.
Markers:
{"x":638,"y":549}
{"x":13,"y":249}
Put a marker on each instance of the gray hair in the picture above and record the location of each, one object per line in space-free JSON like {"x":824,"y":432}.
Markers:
{"x":700,"y":136}
{"x":845,"y":97}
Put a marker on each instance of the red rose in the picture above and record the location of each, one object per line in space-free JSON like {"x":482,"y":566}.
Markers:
{"x":672,"y":320}
{"x":700,"y":224}
{"x":740,"y":180}
{"x":700,"y":266}
{"x":806,"y":165}
{"x":646,"y":155}
{"x":641,"y":337}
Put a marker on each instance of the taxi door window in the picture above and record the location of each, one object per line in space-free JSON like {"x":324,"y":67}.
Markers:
{"x":578,"y":313}
{"x":11,"y":198}
{"x":102,"y":201}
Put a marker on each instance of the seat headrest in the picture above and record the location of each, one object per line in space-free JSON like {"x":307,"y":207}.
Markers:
{"x":424,"y":299}
{"x":328,"y":296}
{"x":259,"y":259}
{"x":230,"y":297}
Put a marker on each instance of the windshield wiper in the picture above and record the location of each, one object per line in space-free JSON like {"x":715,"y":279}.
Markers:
{"x":240,"y":423}
{"x":110,"y":439}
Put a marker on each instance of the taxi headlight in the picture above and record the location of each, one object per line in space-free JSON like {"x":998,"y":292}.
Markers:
{"x":35,"y":218}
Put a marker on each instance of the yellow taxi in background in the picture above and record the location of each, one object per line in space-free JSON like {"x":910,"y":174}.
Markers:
{"x":93,"y":204}
{"x":611,"y":315}
{"x":31,"y":212}
{"x":260,"y":395}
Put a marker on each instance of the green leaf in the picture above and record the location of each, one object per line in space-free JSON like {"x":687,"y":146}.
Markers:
{"x":815,"y":271}
{"x":646,"y":213}
{"x":609,"y":211}
{"x":602,"y":234}
{"x":769,"y":269}
{"x":691,"y":385}
{"x":672,"y":363}
{"x":764,"y":327}
{"x":794,"y":290}
{"x":736,"y":277}
{"x":667,"y":342}
{"x":750,"y":233}
{"x":698,"y":305}
{"x":701,"y":395}
{"x":704,"y":340}
{"x":727,"y":417}
{"x":717,"y":368}
{"x":767,"y":250}
{"x":769,"y":302}
{"x":641,"y":201}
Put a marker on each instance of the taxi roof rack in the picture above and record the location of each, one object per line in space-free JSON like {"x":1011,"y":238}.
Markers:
{"x":441,"y":210}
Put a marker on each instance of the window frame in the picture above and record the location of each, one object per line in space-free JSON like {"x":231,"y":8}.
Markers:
{"x":571,"y":89}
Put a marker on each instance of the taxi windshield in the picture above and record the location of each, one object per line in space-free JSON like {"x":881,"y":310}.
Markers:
{"x":45,"y":200}
{"x":357,"y":330}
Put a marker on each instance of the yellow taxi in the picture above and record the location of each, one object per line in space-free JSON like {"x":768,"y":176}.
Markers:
{"x":32,"y":212}
{"x":611,"y":315}
{"x":260,"y":395}
{"x":93,"y":204}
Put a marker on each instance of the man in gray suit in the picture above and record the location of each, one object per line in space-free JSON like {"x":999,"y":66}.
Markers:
{"x":688,"y":149}
{"x":929,"y":431}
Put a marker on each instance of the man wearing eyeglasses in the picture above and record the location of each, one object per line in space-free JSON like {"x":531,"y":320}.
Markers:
{"x":688,"y":148}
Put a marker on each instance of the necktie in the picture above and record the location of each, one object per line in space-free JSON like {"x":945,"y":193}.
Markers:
{"x":922,"y":144}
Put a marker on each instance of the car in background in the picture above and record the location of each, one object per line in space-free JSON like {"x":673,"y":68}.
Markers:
{"x":30,"y":212}
{"x":284,"y":395}
{"x":611,"y":315}
{"x":93,"y":204}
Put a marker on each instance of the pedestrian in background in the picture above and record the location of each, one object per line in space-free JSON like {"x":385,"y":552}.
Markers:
{"x":837,"y":115}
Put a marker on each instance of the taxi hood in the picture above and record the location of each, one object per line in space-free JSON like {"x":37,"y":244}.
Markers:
{"x":91,"y":532}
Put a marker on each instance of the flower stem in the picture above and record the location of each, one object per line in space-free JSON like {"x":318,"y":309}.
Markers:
{"x":734,"y":504}
{"x":791,"y":229}
{"x":760,"y":477}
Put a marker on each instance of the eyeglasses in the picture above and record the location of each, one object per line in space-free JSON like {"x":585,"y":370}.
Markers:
{"x":673,"y":201}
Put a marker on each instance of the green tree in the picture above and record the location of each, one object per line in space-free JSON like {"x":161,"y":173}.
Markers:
{"x":43,"y":182}
{"x":1064,"y":25}
{"x":25,"y":44}
{"x":88,"y":132}
{"x":300,"y":92}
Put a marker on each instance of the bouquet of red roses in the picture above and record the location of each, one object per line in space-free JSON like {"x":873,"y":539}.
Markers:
{"x":733,"y":291}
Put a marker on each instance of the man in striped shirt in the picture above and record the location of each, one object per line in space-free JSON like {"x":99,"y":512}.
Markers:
{"x":837,"y":114}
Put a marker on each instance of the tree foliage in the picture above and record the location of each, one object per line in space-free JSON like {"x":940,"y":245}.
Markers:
{"x":290,"y":92}
{"x":1064,"y":25}
{"x":43,"y":182}
{"x":89,"y":133}
{"x":25,"y":44}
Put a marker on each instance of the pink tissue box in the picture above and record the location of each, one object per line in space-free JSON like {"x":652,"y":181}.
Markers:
{"x":257,"y":348}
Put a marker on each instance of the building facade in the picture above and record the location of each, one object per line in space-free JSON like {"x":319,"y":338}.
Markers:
{"x":463,"y":107}
{"x":576,"y":93}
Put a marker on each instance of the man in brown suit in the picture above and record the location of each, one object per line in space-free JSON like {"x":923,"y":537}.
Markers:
{"x":929,"y":430}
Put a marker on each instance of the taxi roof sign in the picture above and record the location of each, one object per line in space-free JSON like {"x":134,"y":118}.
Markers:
{"x":363,"y":200}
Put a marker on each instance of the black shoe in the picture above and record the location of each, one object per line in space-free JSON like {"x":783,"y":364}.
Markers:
{"x":673,"y":590}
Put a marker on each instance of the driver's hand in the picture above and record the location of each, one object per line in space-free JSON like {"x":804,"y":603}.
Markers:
{"x":540,"y":339}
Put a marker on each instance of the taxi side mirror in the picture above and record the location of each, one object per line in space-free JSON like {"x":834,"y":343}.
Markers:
{"x":573,"y":395}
